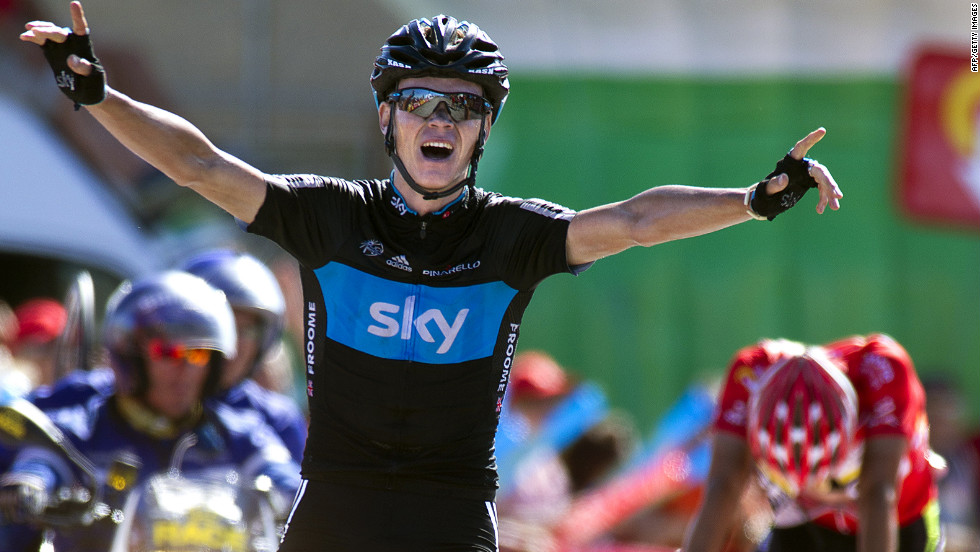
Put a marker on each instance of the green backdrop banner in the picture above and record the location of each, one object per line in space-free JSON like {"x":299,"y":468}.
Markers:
{"x":648,"y":322}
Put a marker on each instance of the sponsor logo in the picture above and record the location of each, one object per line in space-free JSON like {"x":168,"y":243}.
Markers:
{"x":304,"y":180}
{"x":884,"y":414}
{"x":737,"y":414}
{"x":508,"y":361}
{"x":399,"y":262}
{"x":310,"y":335}
{"x":372,"y":248}
{"x":65,"y":80}
{"x":399,"y":205}
{"x":878,"y":371}
{"x":548,"y":209}
{"x":452,"y":270}
{"x":199,"y":529}
{"x":408,"y":324}
{"x":940,"y":170}
{"x":748,"y":376}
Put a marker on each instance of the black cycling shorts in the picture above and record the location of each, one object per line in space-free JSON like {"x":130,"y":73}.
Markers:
{"x":329,"y":517}
{"x":922,"y":535}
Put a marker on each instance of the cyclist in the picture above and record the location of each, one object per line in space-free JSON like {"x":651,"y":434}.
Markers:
{"x":414,"y":284}
{"x":259,"y":306}
{"x":166,"y":336}
{"x":838,"y":437}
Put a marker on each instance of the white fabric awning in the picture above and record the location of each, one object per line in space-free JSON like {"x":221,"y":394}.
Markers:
{"x":52,"y":205}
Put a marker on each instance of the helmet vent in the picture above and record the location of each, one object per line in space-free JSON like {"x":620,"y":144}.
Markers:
{"x":484,"y":46}
{"x":428,"y":33}
{"x":400,"y":40}
{"x":401,"y":57}
{"x":458,"y":36}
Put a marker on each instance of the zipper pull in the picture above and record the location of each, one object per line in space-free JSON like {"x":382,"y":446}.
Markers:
{"x":422,"y":229}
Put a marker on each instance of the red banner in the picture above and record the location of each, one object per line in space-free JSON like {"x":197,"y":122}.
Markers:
{"x":940,"y":160}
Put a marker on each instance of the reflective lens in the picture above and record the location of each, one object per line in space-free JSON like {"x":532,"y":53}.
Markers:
{"x":157,"y":350}
{"x":423,"y":102}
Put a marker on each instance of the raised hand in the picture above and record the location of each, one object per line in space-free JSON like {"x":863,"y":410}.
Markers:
{"x":69,"y":52}
{"x":778,"y":198}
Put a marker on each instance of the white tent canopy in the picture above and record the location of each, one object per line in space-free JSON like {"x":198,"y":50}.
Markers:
{"x":52,"y":205}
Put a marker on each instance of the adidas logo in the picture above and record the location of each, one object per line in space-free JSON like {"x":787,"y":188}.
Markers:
{"x":399,"y":262}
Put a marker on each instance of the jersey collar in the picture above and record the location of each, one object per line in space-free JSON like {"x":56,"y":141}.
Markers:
{"x":400,"y":206}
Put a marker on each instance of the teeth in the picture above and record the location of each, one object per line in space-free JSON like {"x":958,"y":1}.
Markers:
{"x":435,"y":144}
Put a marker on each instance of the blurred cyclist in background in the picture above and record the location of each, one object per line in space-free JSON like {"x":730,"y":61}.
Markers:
{"x":166,"y":337}
{"x":258,"y":304}
{"x":838,"y":436}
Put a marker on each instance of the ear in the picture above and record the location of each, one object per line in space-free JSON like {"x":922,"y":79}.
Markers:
{"x":384,"y":116}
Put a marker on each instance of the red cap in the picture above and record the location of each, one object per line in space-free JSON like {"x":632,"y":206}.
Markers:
{"x":39,"y":321}
{"x":535,"y":375}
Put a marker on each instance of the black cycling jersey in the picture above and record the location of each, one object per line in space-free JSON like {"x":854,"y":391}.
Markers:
{"x":411,"y":325}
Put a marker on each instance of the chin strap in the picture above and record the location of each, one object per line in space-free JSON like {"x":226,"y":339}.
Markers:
{"x":470,"y":180}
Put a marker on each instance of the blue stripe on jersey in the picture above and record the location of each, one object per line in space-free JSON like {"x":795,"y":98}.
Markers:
{"x":399,"y":321}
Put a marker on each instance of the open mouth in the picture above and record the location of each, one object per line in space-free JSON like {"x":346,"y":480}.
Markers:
{"x":437,"y":150}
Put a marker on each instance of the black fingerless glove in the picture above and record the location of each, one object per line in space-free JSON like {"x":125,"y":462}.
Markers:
{"x":83,"y":90}
{"x":799,"y":182}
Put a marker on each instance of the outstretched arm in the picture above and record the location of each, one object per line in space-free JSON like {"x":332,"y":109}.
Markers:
{"x":669,"y":213}
{"x":166,"y":141}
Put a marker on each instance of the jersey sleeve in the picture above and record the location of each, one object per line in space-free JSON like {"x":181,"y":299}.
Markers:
{"x":732,"y":412}
{"x":530,"y":240}
{"x":890,"y":395}
{"x":744,"y":373}
{"x":307,"y":215}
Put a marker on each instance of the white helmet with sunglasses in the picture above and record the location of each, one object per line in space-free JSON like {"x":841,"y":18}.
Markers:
{"x":171,"y":314}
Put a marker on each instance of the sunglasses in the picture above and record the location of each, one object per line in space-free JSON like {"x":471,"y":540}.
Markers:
{"x":423,"y":102}
{"x":157,"y":350}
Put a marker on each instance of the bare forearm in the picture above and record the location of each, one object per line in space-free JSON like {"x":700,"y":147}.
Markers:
{"x":182,"y":152}
{"x":878,"y":493}
{"x":655,"y":216}
{"x":728,"y":477}
{"x":878,"y":530}
{"x":711,"y":528}
{"x":670,"y":213}
{"x":162,"y":139}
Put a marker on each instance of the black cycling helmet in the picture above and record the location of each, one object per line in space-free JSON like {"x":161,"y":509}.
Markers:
{"x":442,"y":47}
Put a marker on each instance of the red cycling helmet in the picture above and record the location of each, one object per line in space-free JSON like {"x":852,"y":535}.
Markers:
{"x":802,"y":422}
